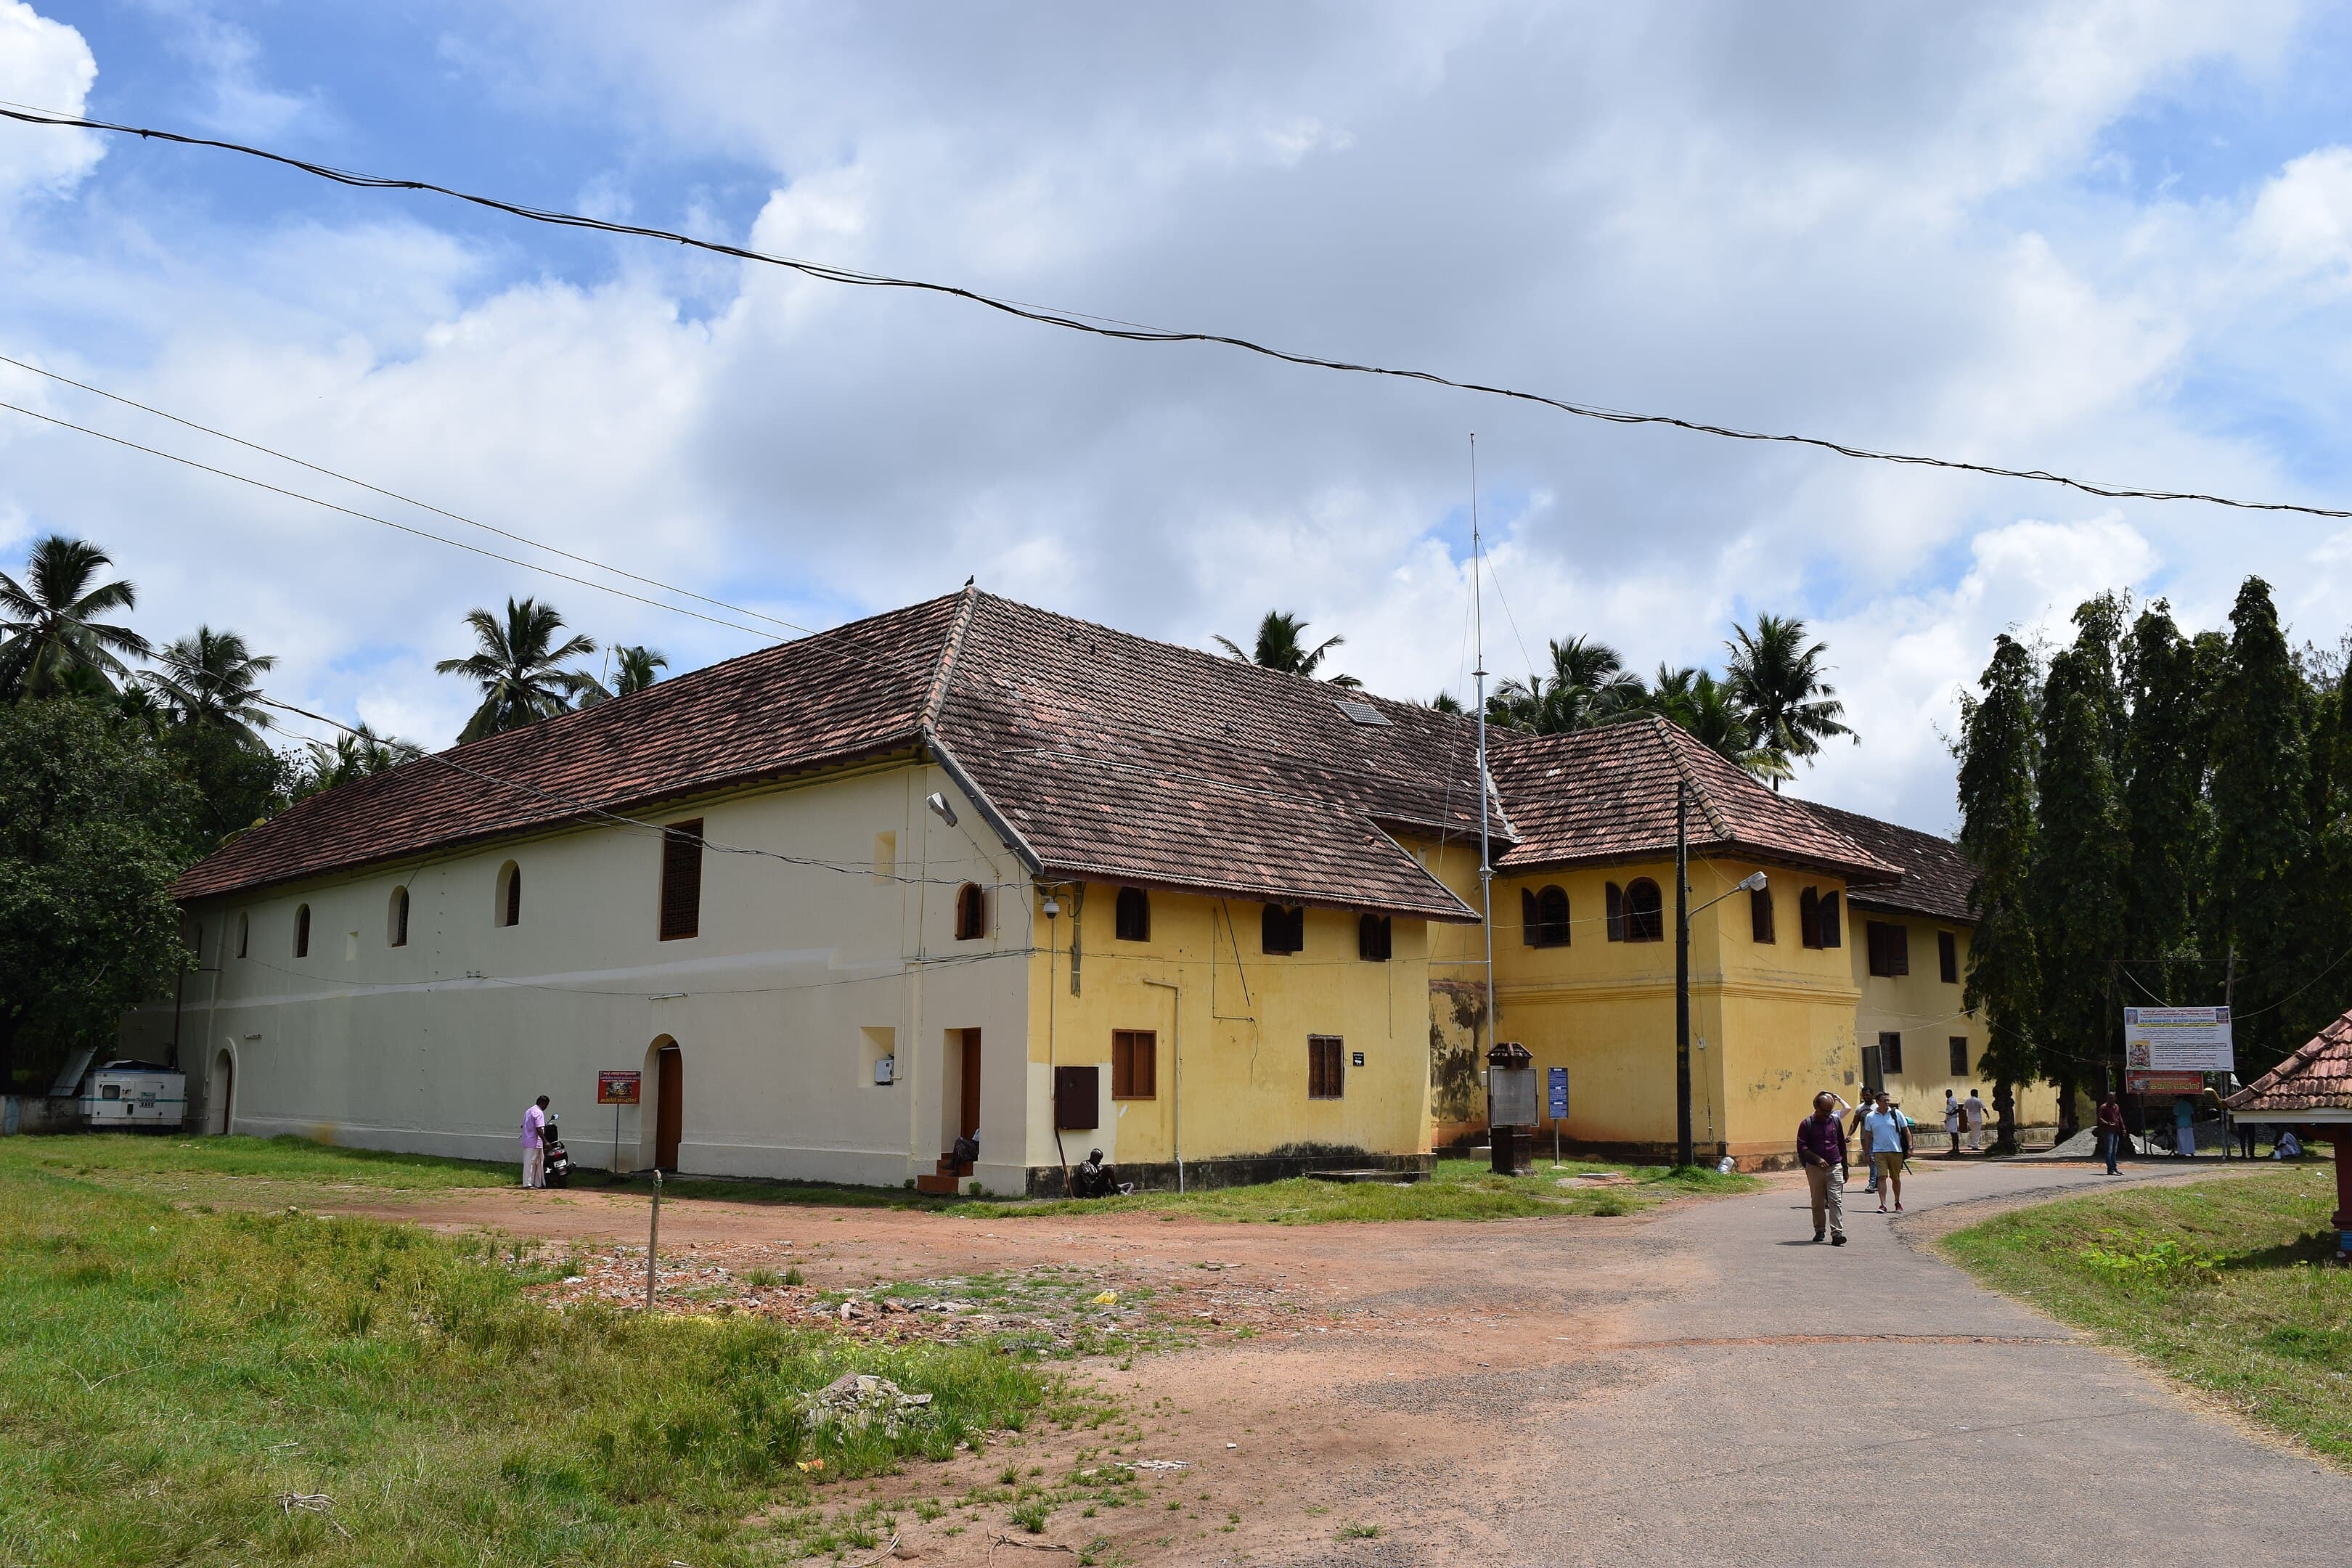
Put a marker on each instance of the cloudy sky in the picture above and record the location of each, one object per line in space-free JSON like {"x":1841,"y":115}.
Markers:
{"x":2109,"y":239}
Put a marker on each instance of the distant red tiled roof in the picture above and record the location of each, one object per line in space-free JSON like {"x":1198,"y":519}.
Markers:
{"x":1936,"y":875}
{"x":2316,"y":1077}
{"x":1608,"y":794}
{"x":1108,"y":756}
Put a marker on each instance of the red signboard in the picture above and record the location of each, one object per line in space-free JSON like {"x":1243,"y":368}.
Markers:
{"x":2164,"y":1083}
{"x":619,"y":1086}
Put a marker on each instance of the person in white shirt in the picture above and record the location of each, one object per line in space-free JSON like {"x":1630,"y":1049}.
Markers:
{"x":1974,"y":1109}
{"x":1952,"y":1119}
{"x":1882,"y":1144}
{"x":534,"y":1143}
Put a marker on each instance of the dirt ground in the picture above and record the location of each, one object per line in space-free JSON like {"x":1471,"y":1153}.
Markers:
{"x":1691,"y":1384}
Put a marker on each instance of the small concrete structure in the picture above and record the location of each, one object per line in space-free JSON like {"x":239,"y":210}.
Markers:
{"x":2312,"y":1089}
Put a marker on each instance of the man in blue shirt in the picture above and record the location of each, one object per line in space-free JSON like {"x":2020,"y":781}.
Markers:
{"x":1881,"y":1146}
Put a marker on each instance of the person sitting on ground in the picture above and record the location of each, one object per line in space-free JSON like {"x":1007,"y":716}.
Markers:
{"x":1820,"y":1149}
{"x":2287,"y":1146}
{"x":966,"y":1150}
{"x":1094,"y":1179}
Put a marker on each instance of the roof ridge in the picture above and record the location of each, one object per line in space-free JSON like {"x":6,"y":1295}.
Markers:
{"x":1666,"y":732}
{"x":944,"y":669}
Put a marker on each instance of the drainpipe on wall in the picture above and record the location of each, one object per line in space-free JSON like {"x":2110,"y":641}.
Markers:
{"x":1052,"y":907}
{"x":1176,"y":1074}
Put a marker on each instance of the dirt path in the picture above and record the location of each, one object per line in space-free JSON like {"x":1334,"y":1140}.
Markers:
{"x":1697,"y":1385}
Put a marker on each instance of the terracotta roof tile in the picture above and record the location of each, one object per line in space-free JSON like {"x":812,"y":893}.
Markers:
{"x":2316,"y":1077}
{"x":1936,"y":875}
{"x":1608,"y":794}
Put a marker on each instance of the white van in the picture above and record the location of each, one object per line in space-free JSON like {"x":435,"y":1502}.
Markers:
{"x":134,"y":1095}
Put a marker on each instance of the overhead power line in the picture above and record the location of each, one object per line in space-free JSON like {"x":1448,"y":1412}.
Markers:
{"x":1129,"y":332}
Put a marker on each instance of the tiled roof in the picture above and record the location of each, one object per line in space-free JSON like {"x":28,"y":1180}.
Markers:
{"x":1936,"y":875}
{"x":1111,"y":756}
{"x":855,"y":690}
{"x":1608,"y":794}
{"x":2316,"y":1077}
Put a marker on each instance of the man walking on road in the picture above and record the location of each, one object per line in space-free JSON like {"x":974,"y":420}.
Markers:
{"x":1820,"y":1149}
{"x":1882,"y":1144}
{"x":534,"y":1143}
{"x":1974,"y":1109}
{"x":2111,"y":1131}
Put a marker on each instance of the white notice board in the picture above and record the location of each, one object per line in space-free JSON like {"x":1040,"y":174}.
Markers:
{"x":2178,"y":1039}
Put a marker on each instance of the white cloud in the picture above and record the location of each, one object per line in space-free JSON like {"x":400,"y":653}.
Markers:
{"x":43,"y":64}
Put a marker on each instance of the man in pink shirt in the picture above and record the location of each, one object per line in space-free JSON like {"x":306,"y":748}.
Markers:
{"x":534,"y":1143}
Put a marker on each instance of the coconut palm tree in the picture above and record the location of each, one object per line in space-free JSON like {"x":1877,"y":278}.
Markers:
{"x":1282,"y":644}
{"x":357,"y":753}
{"x":635,"y":669}
{"x":515,"y":667}
{"x":212,"y":677}
{"x":1588,"y":685}
{"x":1711,"y":712}
{"x":50,"y":637}
{"x":1777,"y":678}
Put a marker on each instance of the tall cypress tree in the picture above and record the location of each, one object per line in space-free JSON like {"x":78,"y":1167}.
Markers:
{"x":2262,"y":831}
{"x":2081,"y":853}
{"x":1997,"y":754}
{"x":2165,"y":815}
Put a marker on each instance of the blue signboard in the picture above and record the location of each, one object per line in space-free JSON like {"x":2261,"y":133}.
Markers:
{"x":1558,"y":1094}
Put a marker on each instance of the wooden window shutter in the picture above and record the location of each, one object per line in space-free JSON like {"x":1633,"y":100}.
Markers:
{"x":1372,"y":938}
{"x":1808,"y":917}
{"x":1078,"y":1092}
{"x":1327,"y":1069}
{"x":681,"y":883}
{"x":971,"y":912}
{"x":1898,"y":949}
{"x":1134,"y":1064}
{"x":1614,"y":915}
{"x":1947,"y":957}
{"x":1552,"y":924}
{"x":1960,"y":1056}
{"x":1829,"y":919}
{"x":1530,"y":919}
{"x":302,"y":931}
{"x":1890,"y":1051}
{"x":1759,"y":914}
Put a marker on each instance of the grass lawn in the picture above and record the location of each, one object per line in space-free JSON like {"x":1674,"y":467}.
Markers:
{"x":2223,"y":1284}
{"x":185,"y":1385}
{"x":243,"y":1171}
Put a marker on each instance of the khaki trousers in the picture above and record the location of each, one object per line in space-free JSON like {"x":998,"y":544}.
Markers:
{"x":1828,"y":1184}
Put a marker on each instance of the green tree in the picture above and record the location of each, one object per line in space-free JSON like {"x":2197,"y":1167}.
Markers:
{"x":51,"y":638}
{"x":212,"y":677}
{"x":2166,"y":816}
{"x":1282,"y":644}
{"x":2262,"y":834}
{"x":1998,"y":761}
{"x":1777,"y":677}
{"x":94,"y":826}
{"x":1588,"y":684}
{"x":637,"y":667}
{"x":1712,"y":714}
{"x":514,"y":664}
{"x":358,"y":753}
{"x":2082,"y":850}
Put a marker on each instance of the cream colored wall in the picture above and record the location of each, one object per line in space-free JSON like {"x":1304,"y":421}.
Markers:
{"x":438,"y":1046}
{"x":1241,"y":1018}
{"x":1926,"y":1010}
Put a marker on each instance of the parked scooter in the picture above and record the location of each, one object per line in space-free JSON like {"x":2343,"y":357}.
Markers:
{"x":556,"y":1168}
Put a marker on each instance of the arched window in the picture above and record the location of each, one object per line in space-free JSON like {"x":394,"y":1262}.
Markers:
{"x":1373,"y":935}
{"x":1645,"y":914}
{"x":1759,"y":915}
{"x":1830,"y":937}
{"x":397,"y":922}
{"x":1808,"y":917}
{"x":1614,"y":915}
{"x":971,"y":912}
{"x":509,"y":905}
{"x":1283,"y":930}
{"x":302,"y":931}
{"x":1134,"y":915}
{"x":244,"y":931}
{"x":1548,"y":924}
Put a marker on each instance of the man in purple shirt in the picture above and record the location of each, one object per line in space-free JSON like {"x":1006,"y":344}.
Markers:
{"x":1821,"y":1148}
{"x":534,"y":1143}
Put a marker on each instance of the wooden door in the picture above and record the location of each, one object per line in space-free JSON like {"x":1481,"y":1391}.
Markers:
{"x":968,"y":1124}
{"x":670,"y":1106}
{"x":1873,"y":1076}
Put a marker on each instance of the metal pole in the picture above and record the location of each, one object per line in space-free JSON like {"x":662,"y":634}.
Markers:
{"x":1682,"y":976}
{"x":617,"y":1140}
{"x":1485,"y":865}
{"x":653,"y":1242}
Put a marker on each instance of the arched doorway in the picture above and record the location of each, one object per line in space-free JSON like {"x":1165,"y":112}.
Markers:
{"x":669,"y":1101}
{"x":221,"y":1113}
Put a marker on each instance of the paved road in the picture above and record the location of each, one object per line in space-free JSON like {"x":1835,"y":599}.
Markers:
{"x":1758,"y":1423}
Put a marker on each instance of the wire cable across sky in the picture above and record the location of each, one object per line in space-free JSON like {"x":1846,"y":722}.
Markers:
{"x":1129,"y":332}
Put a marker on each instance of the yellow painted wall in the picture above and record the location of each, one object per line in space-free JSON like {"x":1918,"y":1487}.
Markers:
{"x":1240,"y":1018}
{"x":1926,"y":1010}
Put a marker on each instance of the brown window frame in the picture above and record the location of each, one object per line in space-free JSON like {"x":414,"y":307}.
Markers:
{"x":681,"y":880}
{"x":1613,"y":911}
{"x":1134,"y":1064}
{"x":1327,"y":1066}
{"x":1375,"y":939}
{"x":1280,"y":923}
{"x":1959,"y":1046}
{"x":1547,"y":909}
{"x":1134,"y":915}
{"x":1890,"y":1053}
{"x":1890,"y":948}
{"x":1829,"y":920}
{"x":1645,"y":925}
{"x":1808,"y":917}
{"x":302,"y":930}
{"x":970,"y":913}
{"x":1947,"y":957}
{"x":1761,"y":929}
